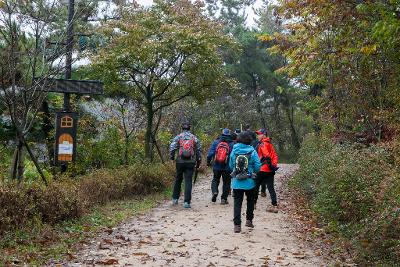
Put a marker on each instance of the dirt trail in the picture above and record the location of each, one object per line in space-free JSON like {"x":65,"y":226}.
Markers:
{"x":202,"y":236}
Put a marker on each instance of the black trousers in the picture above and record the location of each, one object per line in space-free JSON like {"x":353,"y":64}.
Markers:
{"x":268,"y":178}
{"x":238,"y":195}
{"x":226,"y":180}
{"x":263,"y":188}
{"x":183,"y":170}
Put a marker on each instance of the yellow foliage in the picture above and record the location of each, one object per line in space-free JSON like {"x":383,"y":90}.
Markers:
{"x":369,"y":49}
{"x":266,"y":37}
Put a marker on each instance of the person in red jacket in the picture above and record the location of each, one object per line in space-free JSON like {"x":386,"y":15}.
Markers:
{"x":269,"y":161}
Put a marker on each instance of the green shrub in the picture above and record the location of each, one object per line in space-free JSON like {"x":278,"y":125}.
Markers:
{"x":355,"y":190}
{"x":23,"y":204}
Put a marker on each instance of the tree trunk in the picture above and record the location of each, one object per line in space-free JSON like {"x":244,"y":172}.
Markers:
{"x":258,"y":102}
{"x":149,"y":131}
{"x":20,"y":169}
{"x":17,"y":166}
{"x":35,"y":162}
{"x":47,"y":128}
{"x":278,"y":124}
{"x":126,"y":154}
{"x":293,"y":132}
{"x":159,"y":151}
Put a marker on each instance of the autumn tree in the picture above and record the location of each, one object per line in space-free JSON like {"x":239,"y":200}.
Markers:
{"x":23,"y":27}
{"x":161,"y":55}
{"x":350,"y":51}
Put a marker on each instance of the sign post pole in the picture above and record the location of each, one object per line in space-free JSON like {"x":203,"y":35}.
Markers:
{"x":66,"y":120}
{"x":69,"y":47}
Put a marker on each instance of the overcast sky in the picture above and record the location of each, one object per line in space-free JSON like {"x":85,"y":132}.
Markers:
{"x":250,"y":18}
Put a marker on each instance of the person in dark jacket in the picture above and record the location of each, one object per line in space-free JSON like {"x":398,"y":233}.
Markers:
{"x":189,"y":157}
{"x":254,"y":140}
{"x":219,"y":153}
{"x":243,"y":182}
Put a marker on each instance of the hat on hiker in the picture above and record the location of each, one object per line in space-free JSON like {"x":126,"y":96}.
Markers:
{"x":238,"y":131}
{"x":262,"y":131}
{"x":186,"y":125}
{"x":244,"y":138}
{"x":226,"y":131}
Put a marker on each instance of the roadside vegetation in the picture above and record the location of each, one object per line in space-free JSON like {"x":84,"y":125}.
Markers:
{"x":347,"y":53}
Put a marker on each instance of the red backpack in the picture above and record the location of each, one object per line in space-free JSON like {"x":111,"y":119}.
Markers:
{"x":222,"y":153}
{"x":186,"y":148}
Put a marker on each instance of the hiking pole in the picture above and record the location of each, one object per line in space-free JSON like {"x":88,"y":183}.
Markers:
{"x":196,"y":173}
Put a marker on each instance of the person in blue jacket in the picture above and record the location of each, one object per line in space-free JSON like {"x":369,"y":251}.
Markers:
{"x":219,"y":152}
{"x":245,"y":164}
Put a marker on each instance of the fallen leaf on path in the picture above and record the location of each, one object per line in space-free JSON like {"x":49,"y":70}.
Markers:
{"x":107,"y":262}
{"x":300,"y":256}
{"x":144,"y":242}
{"x":121,"y":237}
{"x":108,"y":241}
{"x":104,"y":246}
{"x":297,"y":253}
{"x":70,"y":256}
{"x":231,"y":250}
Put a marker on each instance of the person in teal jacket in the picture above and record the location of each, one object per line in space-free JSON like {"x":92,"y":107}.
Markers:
{"x":245,"y":164}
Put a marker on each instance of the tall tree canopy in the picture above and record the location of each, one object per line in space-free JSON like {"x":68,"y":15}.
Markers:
{"x":350,"y":51}
{"x":162,"y":54}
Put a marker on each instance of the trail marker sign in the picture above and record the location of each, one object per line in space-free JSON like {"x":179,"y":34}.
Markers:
{"x":65,"y":143}
{"x":66,"y":120}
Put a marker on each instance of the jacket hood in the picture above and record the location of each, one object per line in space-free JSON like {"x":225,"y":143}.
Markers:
{"x":227,"y":138}
{"x":266,"y":139}
{"x":242,"y":148}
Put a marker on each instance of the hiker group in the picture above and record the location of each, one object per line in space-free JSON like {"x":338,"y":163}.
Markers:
{"x":245,"y":160}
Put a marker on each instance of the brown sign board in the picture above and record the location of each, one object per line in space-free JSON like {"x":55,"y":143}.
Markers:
{"x":84,"y":87}
{"x":65,"y":145}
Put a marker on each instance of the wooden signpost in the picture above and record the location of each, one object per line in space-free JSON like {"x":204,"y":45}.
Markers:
{"x":65,"y":144}
{"x":67,"y":120}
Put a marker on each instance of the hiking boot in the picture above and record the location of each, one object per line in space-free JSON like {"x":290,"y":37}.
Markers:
{"x":263,"y":194}
{"x":174,"y":202}
{"x":224,"y":202}
{"x":237,"y":228}
{"x":273,"y":209}
{"x":249,"y":224}
{"x":186,"y":205}
{"x":214,"y":198}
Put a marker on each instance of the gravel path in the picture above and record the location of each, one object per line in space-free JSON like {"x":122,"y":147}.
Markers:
{"x":202,"y":236}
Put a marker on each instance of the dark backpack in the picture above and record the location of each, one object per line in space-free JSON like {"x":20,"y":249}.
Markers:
{"x":186,"y":148}
{"x":242,"y":166}
{"x":222,"y":153}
